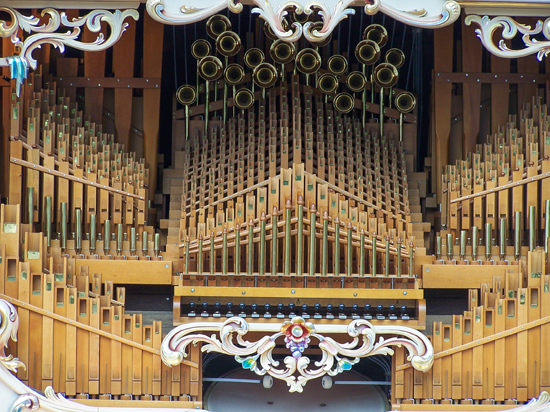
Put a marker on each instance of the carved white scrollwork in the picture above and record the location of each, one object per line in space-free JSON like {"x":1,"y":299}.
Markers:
{"x":429,"y":13}
{"x":510,"y":29}
{"x":48,"y":33}
{"x":297,"y":334}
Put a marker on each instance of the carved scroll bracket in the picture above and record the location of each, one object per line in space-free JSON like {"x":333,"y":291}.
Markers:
{"x":510,"y":28}
{"x":51,"y":32}
{"x":297,"y":334}
{"x":427,"y":14}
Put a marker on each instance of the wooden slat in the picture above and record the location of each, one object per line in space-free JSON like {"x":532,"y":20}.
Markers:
{"x":152,"y":67}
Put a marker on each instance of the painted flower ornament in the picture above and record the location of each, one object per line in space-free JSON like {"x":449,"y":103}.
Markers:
{"x":297,"y":332}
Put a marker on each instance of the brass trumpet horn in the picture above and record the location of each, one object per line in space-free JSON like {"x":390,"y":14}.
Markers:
{"x":356,"y":81}
{"x":233,"y":74}
{"x":282,"y":52}
{"x":200,"y":49}
{"x":395,"y":57}
{"x":253,"y":57}
{"x":385,"y":75}
{"x":367,"y":52}
{"x":308,"y":61}
{"x":264,"y":75}
{"x":405,"y":102}
{"x":377,"y":33}
{"x":337,"y":64}
{"x":244,"y":99}
{"x":210,"y":69}
{"x":327,"y":83}
{"x":344,"y":103}
{"x":228,"y":43}
{"x":301,"y":18}
{"x":216,"y":25}
{"x":186,"y":96}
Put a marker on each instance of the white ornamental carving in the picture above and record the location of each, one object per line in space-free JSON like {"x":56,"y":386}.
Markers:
{"x":297,"y":334}
{"x":510,"y":29}
{"x":48,"y":33}
{"x":427,"y":14}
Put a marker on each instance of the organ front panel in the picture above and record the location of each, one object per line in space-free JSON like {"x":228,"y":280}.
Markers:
{"x":300,"y":181}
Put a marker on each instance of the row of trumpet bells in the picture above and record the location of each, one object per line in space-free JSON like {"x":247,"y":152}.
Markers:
{"x":308,"y":60}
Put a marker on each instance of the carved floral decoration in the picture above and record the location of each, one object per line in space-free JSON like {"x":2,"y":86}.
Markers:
{"x":48,"y":33}
{"x":510,"y":29}
{"x":297,"y":334}
{"x":428,"y":13}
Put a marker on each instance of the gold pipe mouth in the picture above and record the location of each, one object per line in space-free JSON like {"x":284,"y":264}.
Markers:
{"x":216,"y":25}
{"x":254,"y":57}
{"x":337,"y":64}
{"x":200,"y":48}
{"x":327,"y":83}
{"x":356,"y":81}
{"x":405,"y":102}
{"x":186,"y":95}
{"x":308,"y":61}
{"x":385,"y":75}
{"x":244,"y":99}
{"x":264,"y":75}
{"x":376,"y":33}
{"x":228,"y":43}
{"x":344,"y":102}
{"x":233,"y":74}
{"x":282,"y":52}
{"x":395,"y":57}
{"x":367,"y":52}
{"x":301,"y":18}
{"x":210,"y":68}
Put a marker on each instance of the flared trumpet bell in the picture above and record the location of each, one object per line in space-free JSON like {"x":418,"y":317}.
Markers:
{"x":308,"y":61}
{"x":282,"y":52}
{"x":385,"y":75}
{"x":405,"y":102}
{"x":254,"y":57}
{"x":377,"y":33}
{"x":228,"y":43}
{"x":216,"y":25}
{"x":264,"y":75}
{"x":337,"y":64}
{"x":396,"y":57}
{"x":317,"y":26}
{"x":268,"y":31}
{"x":210,"y":68}
{"x":298,"y":18}
{"x":200,"y":49}
{"x":367,"y":52}
{"x":186,"y":95}
{"x":327,"y":83}
{"x":356,"y":81}
{"x":233,"y":74}
{"x":244,"y":99}
{"x":343,"y":102}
